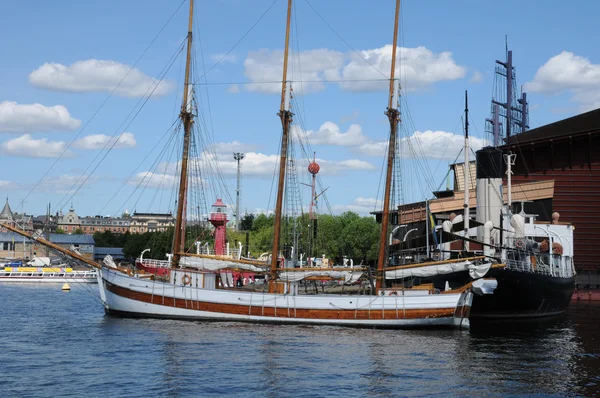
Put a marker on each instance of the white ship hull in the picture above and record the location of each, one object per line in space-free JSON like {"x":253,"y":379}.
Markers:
{"x":127,"y":295}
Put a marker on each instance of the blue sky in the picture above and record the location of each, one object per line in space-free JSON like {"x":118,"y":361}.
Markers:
{"x":68,"y":56}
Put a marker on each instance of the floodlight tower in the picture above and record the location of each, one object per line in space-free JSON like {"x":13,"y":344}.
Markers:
{"x":238,"y":156}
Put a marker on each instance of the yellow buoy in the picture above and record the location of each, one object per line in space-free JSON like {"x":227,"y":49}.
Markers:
{"x":66,"y":287}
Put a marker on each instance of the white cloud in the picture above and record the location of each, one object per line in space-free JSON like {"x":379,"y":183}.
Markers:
{"x":476,"y":77}
{"x":437,"y":145}
{"x":567,"y":72}
{"x":95,"y":75}
{"x":350,"y":164}
{"x":66,"y":183}
{"x":26,"y":146}
{"x":30,"y":118}
{"x":313,"y":67}
{"x":154,"y":180}
{"x":227,"y":148}
{"x":427,"y":144}
{"x":254,"y":164}
{"x":417,"y":67}
{"x":360,"y":205}
{"x":372,"y":148}
{"x":7,"y":184}
{"x":99,"y":141}
{"x":329,"y":134}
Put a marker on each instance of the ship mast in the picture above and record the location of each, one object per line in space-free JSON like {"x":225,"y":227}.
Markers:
{"x":286,"y":119}
{"x":394,"y":117}
{"x":187,"y":119}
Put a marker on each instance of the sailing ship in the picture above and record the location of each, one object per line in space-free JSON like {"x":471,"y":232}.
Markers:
{"x":539,"y":277}
{"x":191,"y":287}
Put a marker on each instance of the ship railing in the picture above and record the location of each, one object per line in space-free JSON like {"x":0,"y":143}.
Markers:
{"x":234,"y":253}
{"x":154,"y":263}
{"x":69,"y":275}
{"x":540,"y":263}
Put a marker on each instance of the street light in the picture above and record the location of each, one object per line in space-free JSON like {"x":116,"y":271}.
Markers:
{"x":238,"y":156}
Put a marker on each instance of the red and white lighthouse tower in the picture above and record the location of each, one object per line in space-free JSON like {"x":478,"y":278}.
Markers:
{"x":218,"y":218}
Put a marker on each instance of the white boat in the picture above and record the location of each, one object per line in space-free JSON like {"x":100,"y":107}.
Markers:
{"x":193,"y":289}
{"x":60,"y":274}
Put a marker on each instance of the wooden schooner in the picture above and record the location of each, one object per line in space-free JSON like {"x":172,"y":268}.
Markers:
{"x":190,"y":288}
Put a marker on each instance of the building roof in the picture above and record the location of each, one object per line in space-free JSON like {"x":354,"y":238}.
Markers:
{"x":54,"y":238}
{"x":113,"y":251}
{"x":580,"y":124}
{"x":72,"y":239}
{"x":136,"y":214}
{"x":6,"y":211}
{"x":10,"y":236}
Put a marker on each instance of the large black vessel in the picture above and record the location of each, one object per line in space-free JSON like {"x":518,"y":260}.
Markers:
{"x":523,"y":295}
{"x":531,"y":260}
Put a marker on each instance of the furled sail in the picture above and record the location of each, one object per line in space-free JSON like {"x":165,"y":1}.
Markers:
{"x":347,"y":276}
{"x":420,"y":270}
{"x":213,"y":264}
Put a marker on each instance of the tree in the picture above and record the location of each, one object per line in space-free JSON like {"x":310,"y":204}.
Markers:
{"x":59,"y":231}
{"x":136,"y":244}
{"x":247,"y":222}
{"x":262,"y":221}
{"x":78,"y":231}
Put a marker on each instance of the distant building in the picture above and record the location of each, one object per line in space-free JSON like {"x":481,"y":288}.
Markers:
{"x":71,"y":222}
{"x":23,"y":221}
{"x":151,"y":222}
{"x":13,"y":245}
{"x":42,"y":222}
{"x":117,"y":225}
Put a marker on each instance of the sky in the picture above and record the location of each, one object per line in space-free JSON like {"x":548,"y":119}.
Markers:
{"x":77,"y":78}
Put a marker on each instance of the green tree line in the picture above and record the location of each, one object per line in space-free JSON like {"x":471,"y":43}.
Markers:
{"x":345,"y":235}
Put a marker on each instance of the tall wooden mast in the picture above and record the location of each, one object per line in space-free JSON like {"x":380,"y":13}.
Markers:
{"x":187,"y":119}
{"x":393,"y":116}
{"x":286,"y":119}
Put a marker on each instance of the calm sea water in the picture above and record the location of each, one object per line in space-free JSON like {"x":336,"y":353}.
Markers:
{"x":55,"y":343}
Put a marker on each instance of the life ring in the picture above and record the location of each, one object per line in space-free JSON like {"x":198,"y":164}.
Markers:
{"x":520,"y":243}
{"x":394,"y":293}
{"x":186,"y":280}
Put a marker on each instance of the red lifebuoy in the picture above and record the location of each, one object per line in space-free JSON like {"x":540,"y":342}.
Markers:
{"x":186,"y":280}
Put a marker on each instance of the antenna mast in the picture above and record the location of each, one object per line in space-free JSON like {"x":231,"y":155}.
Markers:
{"x":467,"y":173}
{"x":286,"y":119}
{"x":393,"y":116}
{"x":187,"y":119}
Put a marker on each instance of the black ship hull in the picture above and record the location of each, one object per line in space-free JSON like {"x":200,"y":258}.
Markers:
{"x":519,"y":296}
{"x":523,"y":295}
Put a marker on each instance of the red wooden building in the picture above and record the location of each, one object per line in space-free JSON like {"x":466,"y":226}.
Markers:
{"x":567,"y":152}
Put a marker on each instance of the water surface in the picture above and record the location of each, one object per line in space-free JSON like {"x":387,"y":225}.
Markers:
{"x":56,"y":343}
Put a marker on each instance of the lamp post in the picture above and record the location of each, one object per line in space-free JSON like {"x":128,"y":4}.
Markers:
{"x":238,"y":156}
